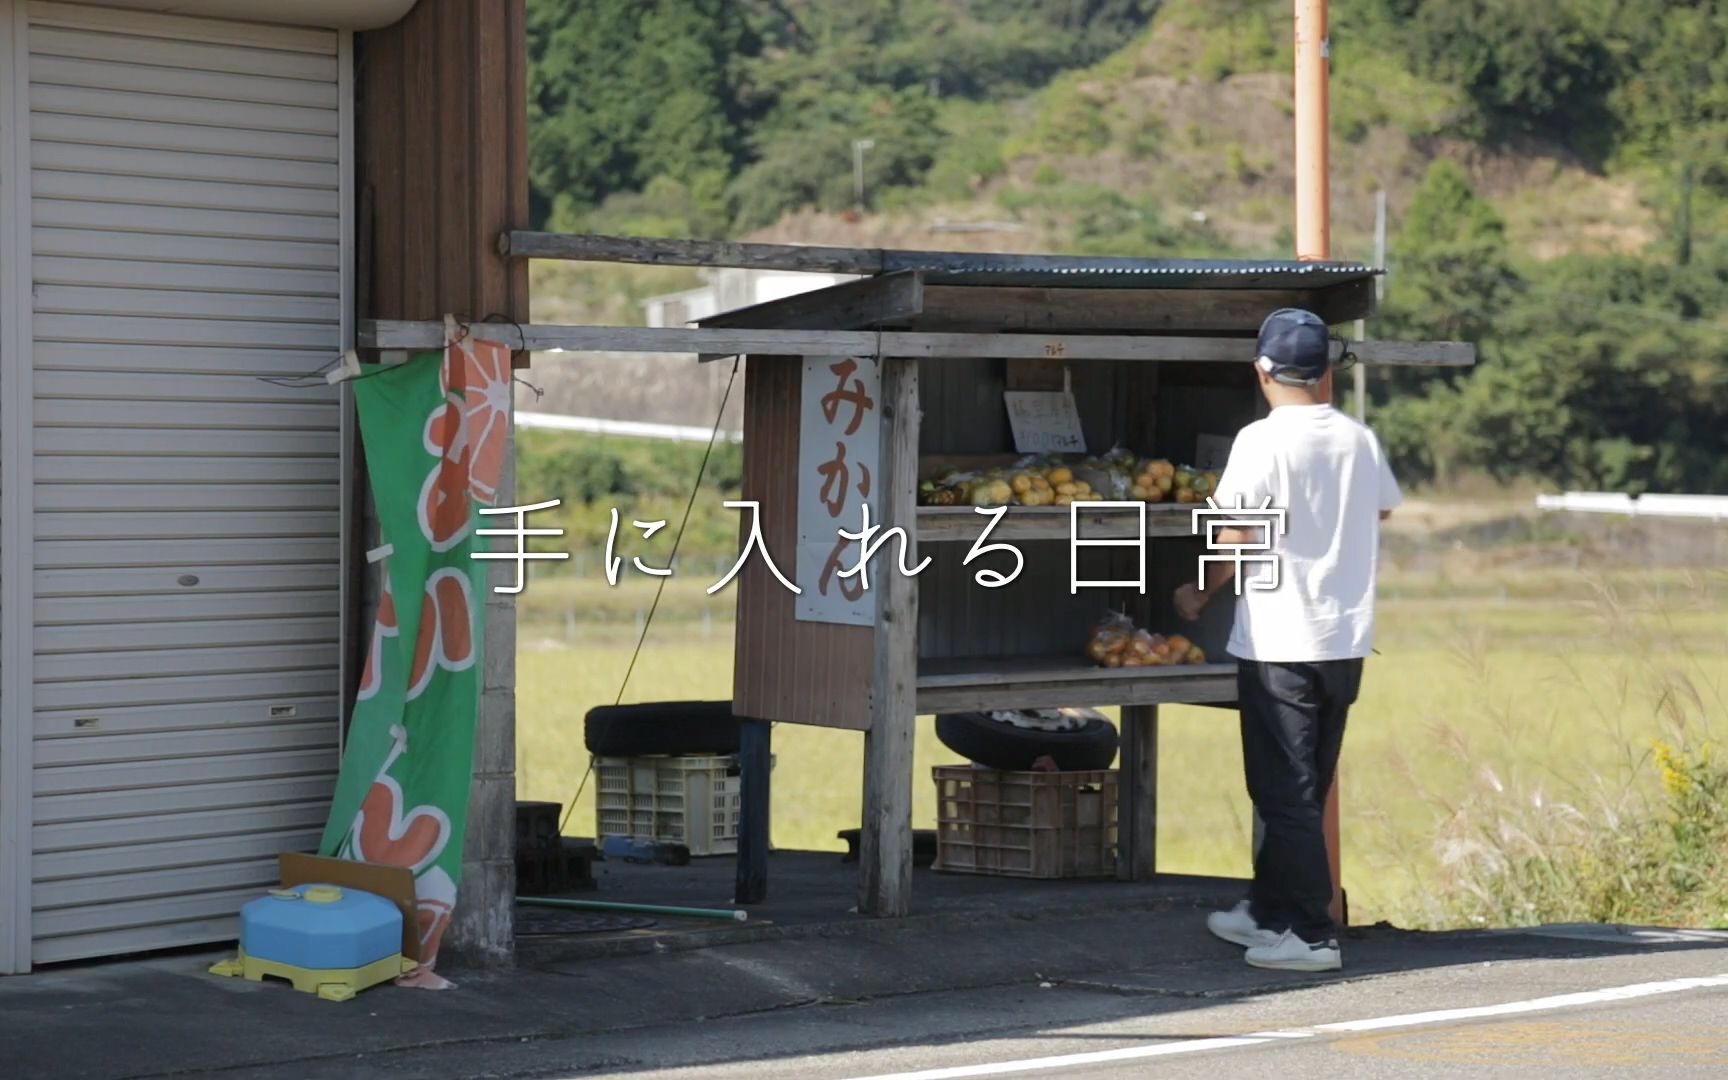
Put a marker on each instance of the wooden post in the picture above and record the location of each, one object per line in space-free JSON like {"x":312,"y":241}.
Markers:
{"x":443,"y":165}
{"x":1137,"y":795}
{"x":755,"y":760}
{"x":885,"y":847}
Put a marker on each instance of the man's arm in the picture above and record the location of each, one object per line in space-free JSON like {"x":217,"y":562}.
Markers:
{"x":1218,"y":574}
{"x":1248,"y":481}
{"x":1390,"y":495}
{"x":1190,"y":599}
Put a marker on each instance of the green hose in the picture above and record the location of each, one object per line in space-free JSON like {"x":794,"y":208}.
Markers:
{"x":646,"y":909}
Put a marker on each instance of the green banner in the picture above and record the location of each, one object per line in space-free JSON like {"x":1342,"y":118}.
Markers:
{"x":434,"y":430}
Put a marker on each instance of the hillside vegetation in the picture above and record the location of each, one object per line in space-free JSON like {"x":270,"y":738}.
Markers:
{"x":1554,"y":173}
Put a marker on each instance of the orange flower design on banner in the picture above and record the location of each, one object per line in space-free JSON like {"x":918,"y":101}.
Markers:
{"x":446,"y":637}
{"x":384,"y":627}
{"x":444,"y":509}
{"x":469,"y":434}
{"x":387,"y":837}
{"x":486,"y":390}
{"x":383,"y":834}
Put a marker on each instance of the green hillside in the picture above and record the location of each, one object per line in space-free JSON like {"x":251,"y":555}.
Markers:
{"x":1554,"y":171}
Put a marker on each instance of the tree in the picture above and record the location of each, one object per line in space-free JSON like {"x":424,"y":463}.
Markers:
{"x":1674,"y":105}
{"x":1451,"y":272}
{"x":622,"y":93}
{"x":1585,"y":390}
{"x":1593,"y":377}
{"x":1529,"y":65}
{"x":810,"y":164}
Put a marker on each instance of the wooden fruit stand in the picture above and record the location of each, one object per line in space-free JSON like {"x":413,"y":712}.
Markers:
{"x":941,"y":642}
{"x":855,"y":392}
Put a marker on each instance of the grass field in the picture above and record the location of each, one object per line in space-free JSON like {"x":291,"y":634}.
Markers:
{"x":1491,"y":688}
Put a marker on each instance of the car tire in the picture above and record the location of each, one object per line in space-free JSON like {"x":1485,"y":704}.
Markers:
{"x":662,"y":727}
{"x":996,"y":745}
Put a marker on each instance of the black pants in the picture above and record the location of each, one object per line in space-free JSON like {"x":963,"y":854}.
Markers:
{"x":1292,"y":729}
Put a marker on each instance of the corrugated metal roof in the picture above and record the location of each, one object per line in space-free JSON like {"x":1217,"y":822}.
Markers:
{"x":1060,"y":271}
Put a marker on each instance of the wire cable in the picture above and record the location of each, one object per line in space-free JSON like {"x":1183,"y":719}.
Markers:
{"x":660,"y":589}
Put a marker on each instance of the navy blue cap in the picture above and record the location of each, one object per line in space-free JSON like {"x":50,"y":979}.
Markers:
{"x":1295,"y":347}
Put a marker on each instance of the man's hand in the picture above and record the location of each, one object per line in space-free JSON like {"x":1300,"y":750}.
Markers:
{"x":1189,"y":600}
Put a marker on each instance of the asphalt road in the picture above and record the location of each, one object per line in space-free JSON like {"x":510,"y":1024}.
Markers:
{"x":1143,"y":993}
{"x":1563,"y":1025}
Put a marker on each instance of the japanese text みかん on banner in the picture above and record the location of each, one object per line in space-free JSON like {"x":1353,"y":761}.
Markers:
{"x":839,"y":454}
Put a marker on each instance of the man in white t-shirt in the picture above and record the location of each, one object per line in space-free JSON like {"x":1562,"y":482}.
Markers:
{"x":1304,"y":623}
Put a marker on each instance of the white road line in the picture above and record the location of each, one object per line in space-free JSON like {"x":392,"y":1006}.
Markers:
{"x":1195,"y":1046}
{"x":1558,"y":1001}
{"x":1063,"y":1061}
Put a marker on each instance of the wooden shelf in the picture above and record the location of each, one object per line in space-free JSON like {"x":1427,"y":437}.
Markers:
{"x":982,"y":684}
{"x":939,"y":524}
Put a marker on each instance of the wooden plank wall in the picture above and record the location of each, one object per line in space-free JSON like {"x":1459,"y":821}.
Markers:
{"x":786,"y":670}
{"x":964,"y":414}
{"x":1035,"y":615}
{"x":442,"y":133}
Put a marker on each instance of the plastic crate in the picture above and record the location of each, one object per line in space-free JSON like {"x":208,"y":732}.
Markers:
{"x":692,"y":801}
{"x":1025,"y":824}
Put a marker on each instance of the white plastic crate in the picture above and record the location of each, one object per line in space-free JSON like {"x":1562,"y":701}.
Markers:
{"x":692,"y":801}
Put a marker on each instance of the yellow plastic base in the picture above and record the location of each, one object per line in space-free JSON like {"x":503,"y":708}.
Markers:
{"x":332,"y":984}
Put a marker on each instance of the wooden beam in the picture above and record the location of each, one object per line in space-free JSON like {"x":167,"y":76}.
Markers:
{"x":1177,"y":311}
{"x":852,"y":305}
{"x":642,"y":251}
{"x":1093,"y":694}
{"x":1137,"y":795}
{"x":885,"y":845}
{"x":388,"y":334}
{"x":1050,"y":682}
{"x":1414,"y":353}
{"x":719,"y":341}
{"x":950,"y":524}
{"x":1346,"y":302}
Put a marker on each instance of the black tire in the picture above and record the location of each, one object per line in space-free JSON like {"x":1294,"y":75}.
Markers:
{"x":662,"y":727}
{"x":997,"y":745}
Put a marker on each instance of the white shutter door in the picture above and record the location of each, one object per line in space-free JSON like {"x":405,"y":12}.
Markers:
{"x":186,"y":233}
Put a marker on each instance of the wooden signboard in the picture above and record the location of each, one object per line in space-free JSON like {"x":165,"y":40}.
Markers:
{"x":839,"y":469}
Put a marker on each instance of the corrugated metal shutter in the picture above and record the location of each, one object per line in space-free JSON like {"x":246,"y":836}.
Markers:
{"x":186,"y":234}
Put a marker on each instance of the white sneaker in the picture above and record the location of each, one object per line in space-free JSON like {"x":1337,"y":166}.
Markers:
{"x":1291,"y":953}
{"x":1237,"y":926}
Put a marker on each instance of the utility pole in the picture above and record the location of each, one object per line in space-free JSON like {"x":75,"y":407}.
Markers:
{"x":858,"y":148}
{"x":1360,"y":372}
{"x":1380,"y":243}
{"x":1313,"y":167}
{"x":1314,"y":244}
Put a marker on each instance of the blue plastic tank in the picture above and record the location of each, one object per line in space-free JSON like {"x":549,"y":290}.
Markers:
{"x":321,"y":927}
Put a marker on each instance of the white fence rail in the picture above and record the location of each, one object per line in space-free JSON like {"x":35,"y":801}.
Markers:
{"x":1707,"y":507}
{"x":634,"y":429}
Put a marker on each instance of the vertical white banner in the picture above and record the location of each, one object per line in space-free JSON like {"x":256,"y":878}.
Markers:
{"x":839,"y":459}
